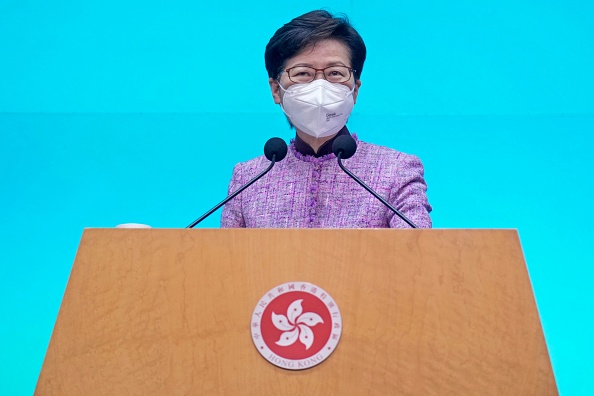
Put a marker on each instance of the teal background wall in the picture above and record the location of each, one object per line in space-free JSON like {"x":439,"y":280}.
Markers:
{"x":130,"y":111}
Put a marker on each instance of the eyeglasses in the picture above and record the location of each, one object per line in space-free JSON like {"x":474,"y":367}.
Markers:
{"x":306,"y":74}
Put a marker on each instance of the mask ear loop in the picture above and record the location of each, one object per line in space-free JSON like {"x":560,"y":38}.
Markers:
{"x":282,"y":100}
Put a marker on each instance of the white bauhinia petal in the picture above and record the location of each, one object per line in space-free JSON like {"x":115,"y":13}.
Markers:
{"x":281,"y":322}
{"x":294,"y":311}
{"x":306,"y":336}
{"x":310,"y":319}
{"x":288,"y":337}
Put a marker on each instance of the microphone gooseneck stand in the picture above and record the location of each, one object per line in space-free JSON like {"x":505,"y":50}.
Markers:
{"x":275,"y":149}
{"x":345,"y":146}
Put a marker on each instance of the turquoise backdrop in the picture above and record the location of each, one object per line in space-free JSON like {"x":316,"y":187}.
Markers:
{"x":136,"y":111}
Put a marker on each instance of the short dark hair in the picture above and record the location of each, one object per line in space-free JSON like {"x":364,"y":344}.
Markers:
{"x":307,"y":30}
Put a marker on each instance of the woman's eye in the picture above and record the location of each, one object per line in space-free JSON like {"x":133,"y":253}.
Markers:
{"x":336,"y":73}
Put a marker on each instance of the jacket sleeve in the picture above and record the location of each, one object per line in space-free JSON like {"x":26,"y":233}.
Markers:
{"x":409,"y":195}
{"x":232,"y":216}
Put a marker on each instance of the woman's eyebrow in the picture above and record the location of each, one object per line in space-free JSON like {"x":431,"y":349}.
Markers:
{"x":333,"y":63}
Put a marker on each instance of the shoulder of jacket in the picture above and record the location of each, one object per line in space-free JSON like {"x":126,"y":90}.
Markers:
{"x":252,"y":163}
{"x":370,"y":149}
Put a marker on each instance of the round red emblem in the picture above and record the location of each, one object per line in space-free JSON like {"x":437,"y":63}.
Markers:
{"x":296,"y":325}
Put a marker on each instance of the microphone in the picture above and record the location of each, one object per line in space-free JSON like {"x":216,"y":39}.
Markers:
{"x":275,"y":150}
{"x":344,"y":147}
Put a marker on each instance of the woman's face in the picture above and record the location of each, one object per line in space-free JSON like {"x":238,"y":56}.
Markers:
{"x":325,"y":53}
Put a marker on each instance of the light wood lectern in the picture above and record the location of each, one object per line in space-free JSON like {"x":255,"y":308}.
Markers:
{"x":424,"y":312}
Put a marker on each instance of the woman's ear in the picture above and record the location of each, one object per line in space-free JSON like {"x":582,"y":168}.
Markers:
{"x":356,"y":90}
{"x":275,"y":89}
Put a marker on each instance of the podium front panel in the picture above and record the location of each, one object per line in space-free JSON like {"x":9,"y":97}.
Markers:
{"x":424,"y":312}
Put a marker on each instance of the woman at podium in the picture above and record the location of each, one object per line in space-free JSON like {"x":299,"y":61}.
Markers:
{"x":314,"y":64}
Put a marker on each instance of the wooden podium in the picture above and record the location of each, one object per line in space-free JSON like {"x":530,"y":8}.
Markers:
{"x":424,"y":312}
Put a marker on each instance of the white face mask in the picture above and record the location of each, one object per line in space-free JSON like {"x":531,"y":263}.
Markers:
{"x":319,"y":108}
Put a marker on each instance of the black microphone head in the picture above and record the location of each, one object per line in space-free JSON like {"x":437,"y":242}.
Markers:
{"x":275,"y":146}
{"x":344,"y":144}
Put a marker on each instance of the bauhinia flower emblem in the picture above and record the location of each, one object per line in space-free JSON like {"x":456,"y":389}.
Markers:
{"x":296,"y":325}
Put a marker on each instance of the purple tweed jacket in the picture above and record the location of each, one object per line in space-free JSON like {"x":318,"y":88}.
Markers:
{"x":302,"y":191}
